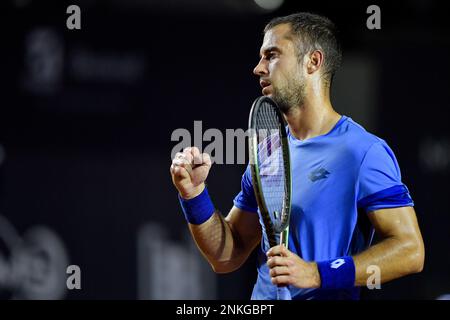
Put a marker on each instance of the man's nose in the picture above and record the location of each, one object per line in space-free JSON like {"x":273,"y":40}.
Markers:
{"x":260,"y":69}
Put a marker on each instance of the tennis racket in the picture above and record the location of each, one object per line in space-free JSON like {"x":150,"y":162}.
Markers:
{"x":271,"y":169}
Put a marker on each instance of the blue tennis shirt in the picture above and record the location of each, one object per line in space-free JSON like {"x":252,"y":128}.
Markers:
{"x":336,"y":179}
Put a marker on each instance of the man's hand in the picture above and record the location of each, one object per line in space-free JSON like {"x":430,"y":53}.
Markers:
{"x":189,"y":170}
{"x":286,"y":268}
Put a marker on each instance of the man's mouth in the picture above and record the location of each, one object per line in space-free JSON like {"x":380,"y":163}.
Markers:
{"x":265,"y":85}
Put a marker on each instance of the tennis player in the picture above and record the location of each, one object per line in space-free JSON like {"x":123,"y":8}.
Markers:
{"x":343,"y":176}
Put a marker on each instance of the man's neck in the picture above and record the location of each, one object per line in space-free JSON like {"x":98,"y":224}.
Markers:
{"x":314,"y":118}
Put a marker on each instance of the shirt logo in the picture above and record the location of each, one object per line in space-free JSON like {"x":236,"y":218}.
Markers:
{"x":337,"y":263}
{"x":318,"y":174}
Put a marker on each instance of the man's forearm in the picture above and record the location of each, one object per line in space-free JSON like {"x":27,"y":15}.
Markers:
{"x":215,"y":240}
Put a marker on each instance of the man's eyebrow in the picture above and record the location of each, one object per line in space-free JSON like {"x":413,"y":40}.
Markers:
{"x":269,"y":49}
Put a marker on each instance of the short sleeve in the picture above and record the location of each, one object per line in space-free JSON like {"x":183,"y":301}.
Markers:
{"x":245,"y":199}
{"x":380,"y":184}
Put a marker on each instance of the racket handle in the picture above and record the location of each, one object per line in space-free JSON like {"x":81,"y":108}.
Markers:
{"x":284,"y":237}
{"x":283,"y":293}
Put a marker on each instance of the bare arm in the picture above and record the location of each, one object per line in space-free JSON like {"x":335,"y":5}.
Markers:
{"x":401,"y":250}
{"x":227,"y":242}
{"x":224,"y":242}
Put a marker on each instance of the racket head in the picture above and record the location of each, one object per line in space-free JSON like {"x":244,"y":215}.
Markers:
{"x":270,"y":166}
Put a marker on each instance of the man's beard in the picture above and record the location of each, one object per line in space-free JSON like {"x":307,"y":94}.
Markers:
{"x":290,"y":96}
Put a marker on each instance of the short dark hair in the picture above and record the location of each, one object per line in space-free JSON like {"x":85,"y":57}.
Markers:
{"x":315,"y":32}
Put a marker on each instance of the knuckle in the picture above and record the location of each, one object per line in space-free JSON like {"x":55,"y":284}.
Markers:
{"x":275,"y":271}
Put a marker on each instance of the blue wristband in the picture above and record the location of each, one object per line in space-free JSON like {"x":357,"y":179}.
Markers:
{"x":199,"y":209}
{"x":337,"y":273}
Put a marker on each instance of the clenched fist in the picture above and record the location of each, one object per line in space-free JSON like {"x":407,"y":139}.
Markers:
{"x":189,"y":170}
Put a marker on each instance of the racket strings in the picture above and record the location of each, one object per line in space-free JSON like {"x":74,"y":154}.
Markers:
{"x":271,"y":163}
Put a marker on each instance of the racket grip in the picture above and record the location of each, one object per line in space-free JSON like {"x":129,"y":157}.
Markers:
{"x":283,"y":293}
{"x":284,"y":237}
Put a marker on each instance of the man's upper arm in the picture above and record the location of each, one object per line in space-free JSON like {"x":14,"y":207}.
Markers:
{"x":246,"y":230}
{"x":400,"y":223}
{"x":243,"y":217}
{"x":245,"y":199}
{"x":380,"y":183}
{"x":401,"y":250}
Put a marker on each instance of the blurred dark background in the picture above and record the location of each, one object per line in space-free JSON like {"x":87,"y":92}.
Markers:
{"x":86,"y":119}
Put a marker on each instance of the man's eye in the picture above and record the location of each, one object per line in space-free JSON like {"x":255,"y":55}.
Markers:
{"x":271,"y":55}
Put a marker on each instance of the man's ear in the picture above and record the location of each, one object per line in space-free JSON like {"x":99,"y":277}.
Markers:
{"x":315,"y":61}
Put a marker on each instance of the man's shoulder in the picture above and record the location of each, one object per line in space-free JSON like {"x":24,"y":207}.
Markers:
{"x":356,"y":138}
{"x":356,"y":133}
